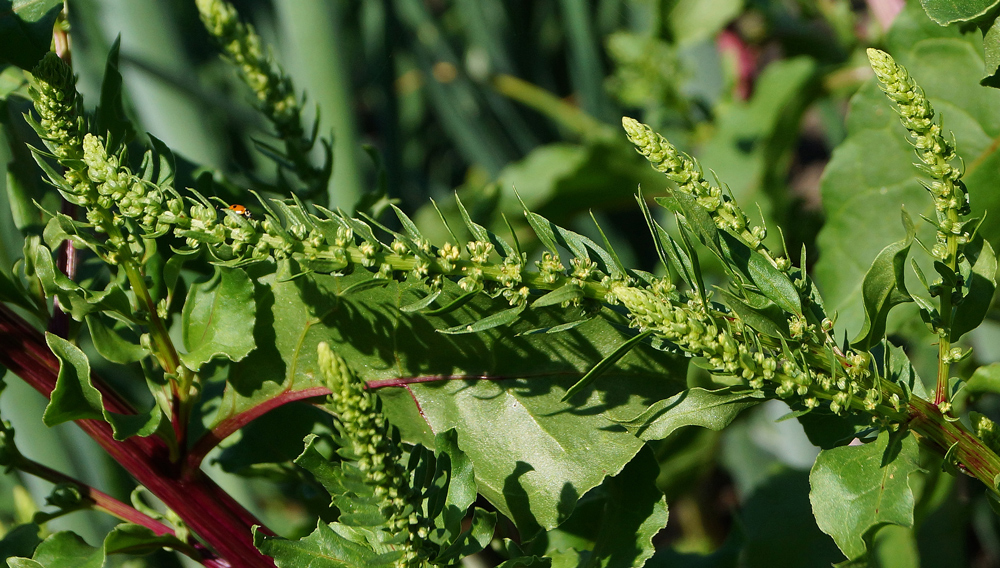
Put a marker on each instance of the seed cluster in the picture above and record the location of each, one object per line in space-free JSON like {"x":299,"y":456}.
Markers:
{"x":369,"y":443}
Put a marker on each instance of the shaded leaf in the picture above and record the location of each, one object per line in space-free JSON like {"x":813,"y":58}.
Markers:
{"x":127,"y":538}
{"x":67,"y":550}
{"x":982,"y":284}
{"x":26,"y":30}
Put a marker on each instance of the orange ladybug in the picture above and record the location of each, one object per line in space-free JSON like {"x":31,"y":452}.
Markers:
{"x":241,"y":210}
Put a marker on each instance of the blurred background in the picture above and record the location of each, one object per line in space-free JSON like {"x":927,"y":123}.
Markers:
{"x":428,"y":98}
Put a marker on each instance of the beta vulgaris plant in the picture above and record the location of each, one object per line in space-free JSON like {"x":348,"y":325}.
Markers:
{"x":230,"y":311}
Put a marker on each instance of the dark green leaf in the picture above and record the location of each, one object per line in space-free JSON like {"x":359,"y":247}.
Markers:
{"x":112,"y":123}
{"x":771,"y":282}
{"x":473,"y":540}
{"x":421,"y":303}
{"x":759,"y":313}
{"x":218,"y":318}
{"x":884,"y":287}
{"x":692,"y":407}
{"x":991,"y":48}
{"x":461,"y":482}
{"x":75,"y":397}
{"x":20,"y":541}
{"x":327,"y":473}
{"x":982,"y":283}
{"x":26,"y":30}
{"x":854,"y":493}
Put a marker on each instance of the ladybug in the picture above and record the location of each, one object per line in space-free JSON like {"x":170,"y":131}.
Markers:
{"x":240,"y":210}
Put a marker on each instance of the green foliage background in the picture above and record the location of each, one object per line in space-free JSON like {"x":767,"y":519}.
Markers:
{"x":774,"y":96}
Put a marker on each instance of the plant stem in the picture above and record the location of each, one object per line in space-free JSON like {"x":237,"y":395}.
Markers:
{"x":212,"y":514}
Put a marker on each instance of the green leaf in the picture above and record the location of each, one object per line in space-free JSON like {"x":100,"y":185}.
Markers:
{"x":67,"y":550}
{"x":218,"y":318}
{"x":127,"y":538}
{"x":111,"y":345}
{"x":692,"y":407}
{"x":634,"y":510}
{"x":991,"y":49}
{"x":857,"y":489}
{"x":982,"y":284}
{"x":884,"y":287}
{"x":26,"y":30}
{"x":498,"y":319}
{"x":15,"y":562}
{"x":604,"y":365}
{"x":760,"y":313}
{"x":564,"y":293}
{"x":326,"y":547}
{"x":20,"y":541}
{"x":986,"y":379}
{"x":461,"y":482}
{"x":772,"y":283}
{"x":475,"y":539}
{"x":112,"y":123}
{"x":946,"y":12}
{"x":75,"y":398}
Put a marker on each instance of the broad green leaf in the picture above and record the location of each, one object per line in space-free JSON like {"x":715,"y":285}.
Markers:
{"x":872,"y":171}
{"x":772,"y":283}
{"x":325,"y":471}
{"x":127,"y":538}
{"x":268,"y":443}
{"x":16,"y":562}
{"x":110,"y":344}
{"x":475,"y":539}
{"x":26,"y":30}
{"x":324,"y":548}
{"x":510,"y":422}
{"x":982,"y":283}
{"x":991,"y":54}
{"x":692,"y":407}
{"x":884,"y":287}
{"x":946,"y":12}
{"x":68,"y":550}
{"x":857,"y":489}
{"x":75,"y":398}
{"x":986,"y":379}
{"x":218,"y":318}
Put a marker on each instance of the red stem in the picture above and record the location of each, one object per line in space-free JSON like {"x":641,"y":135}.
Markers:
{"x":205,"y":508}
{"x":230,"y":425}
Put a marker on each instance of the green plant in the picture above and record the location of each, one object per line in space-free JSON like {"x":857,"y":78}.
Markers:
{"x":522,"y":399}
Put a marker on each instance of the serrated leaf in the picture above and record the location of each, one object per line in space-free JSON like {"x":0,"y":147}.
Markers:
{"x":26,"y":30}
{"x":982,"y":282}
{"x":76,"y":398}
{"x":67,"y":550}
{"x":323,"y":548}
{"x":854,"y":492}
{"x":218,"y":318}
{"x":692,"y":407}
{"x":461,"y":482}
{"x":884,"y":287}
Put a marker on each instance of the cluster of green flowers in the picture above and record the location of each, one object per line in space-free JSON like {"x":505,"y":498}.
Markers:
{"x":936,"y":154}
{"x":684,"y":170}
{"x":368,"y":441}
{"x":273,"y":89}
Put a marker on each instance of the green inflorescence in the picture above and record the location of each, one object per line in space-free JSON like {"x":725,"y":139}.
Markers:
{"x":273,"y":89}
{"x":936,"y":153}
{"x":369,"y":441}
